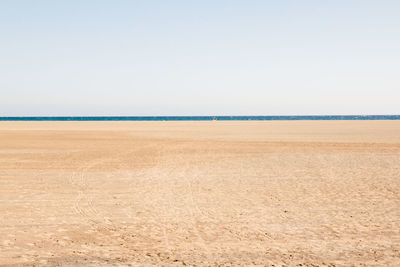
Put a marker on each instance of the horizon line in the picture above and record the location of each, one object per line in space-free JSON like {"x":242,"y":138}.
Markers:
{"x":199,"y":117}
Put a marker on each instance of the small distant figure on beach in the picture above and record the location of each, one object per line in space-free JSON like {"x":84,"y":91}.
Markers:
{"x":215,"y":118}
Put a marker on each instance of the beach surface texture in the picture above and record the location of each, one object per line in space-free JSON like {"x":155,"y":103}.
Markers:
{"x":293,"y":193}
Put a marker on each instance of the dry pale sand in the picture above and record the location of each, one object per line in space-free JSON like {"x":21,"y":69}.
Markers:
{"x":303,"y":193}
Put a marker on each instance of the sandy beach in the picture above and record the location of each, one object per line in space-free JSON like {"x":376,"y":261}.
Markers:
{"x":293,"y":193}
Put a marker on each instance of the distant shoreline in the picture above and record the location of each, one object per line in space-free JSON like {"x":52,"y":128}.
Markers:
{"x":200,"y":118}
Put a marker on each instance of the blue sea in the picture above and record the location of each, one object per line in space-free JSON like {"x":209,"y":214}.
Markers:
{"x":204,"y":118}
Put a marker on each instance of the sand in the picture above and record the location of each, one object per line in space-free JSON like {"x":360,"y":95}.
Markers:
{"x":294,"y":193}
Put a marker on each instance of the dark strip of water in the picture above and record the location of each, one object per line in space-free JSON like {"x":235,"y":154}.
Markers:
{"x":202,"y":118}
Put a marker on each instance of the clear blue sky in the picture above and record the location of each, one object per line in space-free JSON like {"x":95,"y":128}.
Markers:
{"x":199,"y":57}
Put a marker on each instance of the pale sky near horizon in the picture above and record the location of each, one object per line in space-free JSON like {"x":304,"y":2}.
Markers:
{"x":204,"y":57}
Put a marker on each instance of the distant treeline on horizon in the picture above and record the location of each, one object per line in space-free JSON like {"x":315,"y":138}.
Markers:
{"x":199,"y":118}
